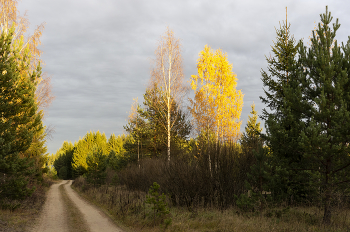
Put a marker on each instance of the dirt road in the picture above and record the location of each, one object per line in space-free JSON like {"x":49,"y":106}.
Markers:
{"x":54,"y":215}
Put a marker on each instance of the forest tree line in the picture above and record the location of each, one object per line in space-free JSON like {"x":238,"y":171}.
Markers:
{"x":303,"y":158}
{"x":195,"y":152}
{"x":25,"y":94}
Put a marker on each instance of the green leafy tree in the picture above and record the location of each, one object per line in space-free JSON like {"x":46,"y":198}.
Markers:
{"x":136,"y":128}
{"x":118,"y":157}
{"x":19,"y":119}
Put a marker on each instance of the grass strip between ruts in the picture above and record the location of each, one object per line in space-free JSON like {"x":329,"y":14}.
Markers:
{"x":75,"y":218}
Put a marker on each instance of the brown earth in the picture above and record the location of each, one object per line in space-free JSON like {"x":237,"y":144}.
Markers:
{"x":54,"y":214}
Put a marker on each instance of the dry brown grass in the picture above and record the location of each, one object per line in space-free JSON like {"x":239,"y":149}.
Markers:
{"x":128,"y":208}
{"x":23,"y":218}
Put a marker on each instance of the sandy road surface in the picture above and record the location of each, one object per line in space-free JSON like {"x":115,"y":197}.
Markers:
{"x":53,"y":217}
{"x":96,"y":220}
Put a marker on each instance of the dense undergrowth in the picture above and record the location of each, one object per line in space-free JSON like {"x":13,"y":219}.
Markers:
{"x":129,"y":207}
{"x":231,"y":191}
{"x":19,"y":215}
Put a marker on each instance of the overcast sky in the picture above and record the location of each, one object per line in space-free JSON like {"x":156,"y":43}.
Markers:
{"x":98,"y":52}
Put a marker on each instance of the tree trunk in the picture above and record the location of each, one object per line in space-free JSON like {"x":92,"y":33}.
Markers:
{"x":209,"y":159}
{"x":138,"y":151}
{"x":168,"y":122}
{"x":327,"y":216}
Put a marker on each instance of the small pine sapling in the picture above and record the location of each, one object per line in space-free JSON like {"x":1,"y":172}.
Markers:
{"x":159,"y":207}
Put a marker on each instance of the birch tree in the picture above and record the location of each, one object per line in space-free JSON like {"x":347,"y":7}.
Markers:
{"x":167,"y":74}
{"x":217,"y":104}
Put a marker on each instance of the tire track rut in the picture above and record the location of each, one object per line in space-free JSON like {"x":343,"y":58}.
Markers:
{"x":58,"y":208}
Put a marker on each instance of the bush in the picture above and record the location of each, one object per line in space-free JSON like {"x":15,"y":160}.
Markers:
{"x":188,"y":180}
{"x":52,"y":173}
{"x":247,"y":202}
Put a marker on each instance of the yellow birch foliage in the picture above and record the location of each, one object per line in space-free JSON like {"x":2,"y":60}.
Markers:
{"x":217,"y":105}
{"x":10,"y":17}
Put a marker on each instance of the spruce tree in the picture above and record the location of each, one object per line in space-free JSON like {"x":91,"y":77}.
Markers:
{"x":325,"y":139}
{"x":283,"y":95}
{"x":254,"y":156}
{"x":251,"y":137}
{"x":281,"y":78}
{"x":19,"y":120}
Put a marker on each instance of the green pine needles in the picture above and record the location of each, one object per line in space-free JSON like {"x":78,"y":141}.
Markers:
{"x":19,"y":120}
{"x":159,"y":208}
{"x":308,"y":123}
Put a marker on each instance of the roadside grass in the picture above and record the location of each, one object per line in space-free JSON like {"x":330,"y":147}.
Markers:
{"x":74,"y":216}
{"x":128,"y":208}
{"x":23,"y":218}
{"x":19,"y":220}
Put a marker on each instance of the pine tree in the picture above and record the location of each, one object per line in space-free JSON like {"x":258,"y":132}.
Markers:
{"x":325,"y":139}
{"x":156,"y":135}
{"x":84,"y":146}
{"x":115,"y":143}
{"x":19,"y":120}
{"x":64,"y":159}
{"x":96,"y":162}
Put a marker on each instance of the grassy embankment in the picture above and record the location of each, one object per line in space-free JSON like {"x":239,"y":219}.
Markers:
{"x":22,"y":218}
{"x":128,"y":208}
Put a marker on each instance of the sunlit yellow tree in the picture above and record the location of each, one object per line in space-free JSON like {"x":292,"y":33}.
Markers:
{"x":27,"y":45}
{"x":10,"y":17}
{"x":217,"y":105}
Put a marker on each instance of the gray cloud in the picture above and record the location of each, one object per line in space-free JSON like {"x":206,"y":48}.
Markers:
{"x":98,"y":52}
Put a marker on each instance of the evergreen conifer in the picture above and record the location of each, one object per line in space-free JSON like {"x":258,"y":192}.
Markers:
{"x":19,"y":120}
{"x":325,"y":139}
